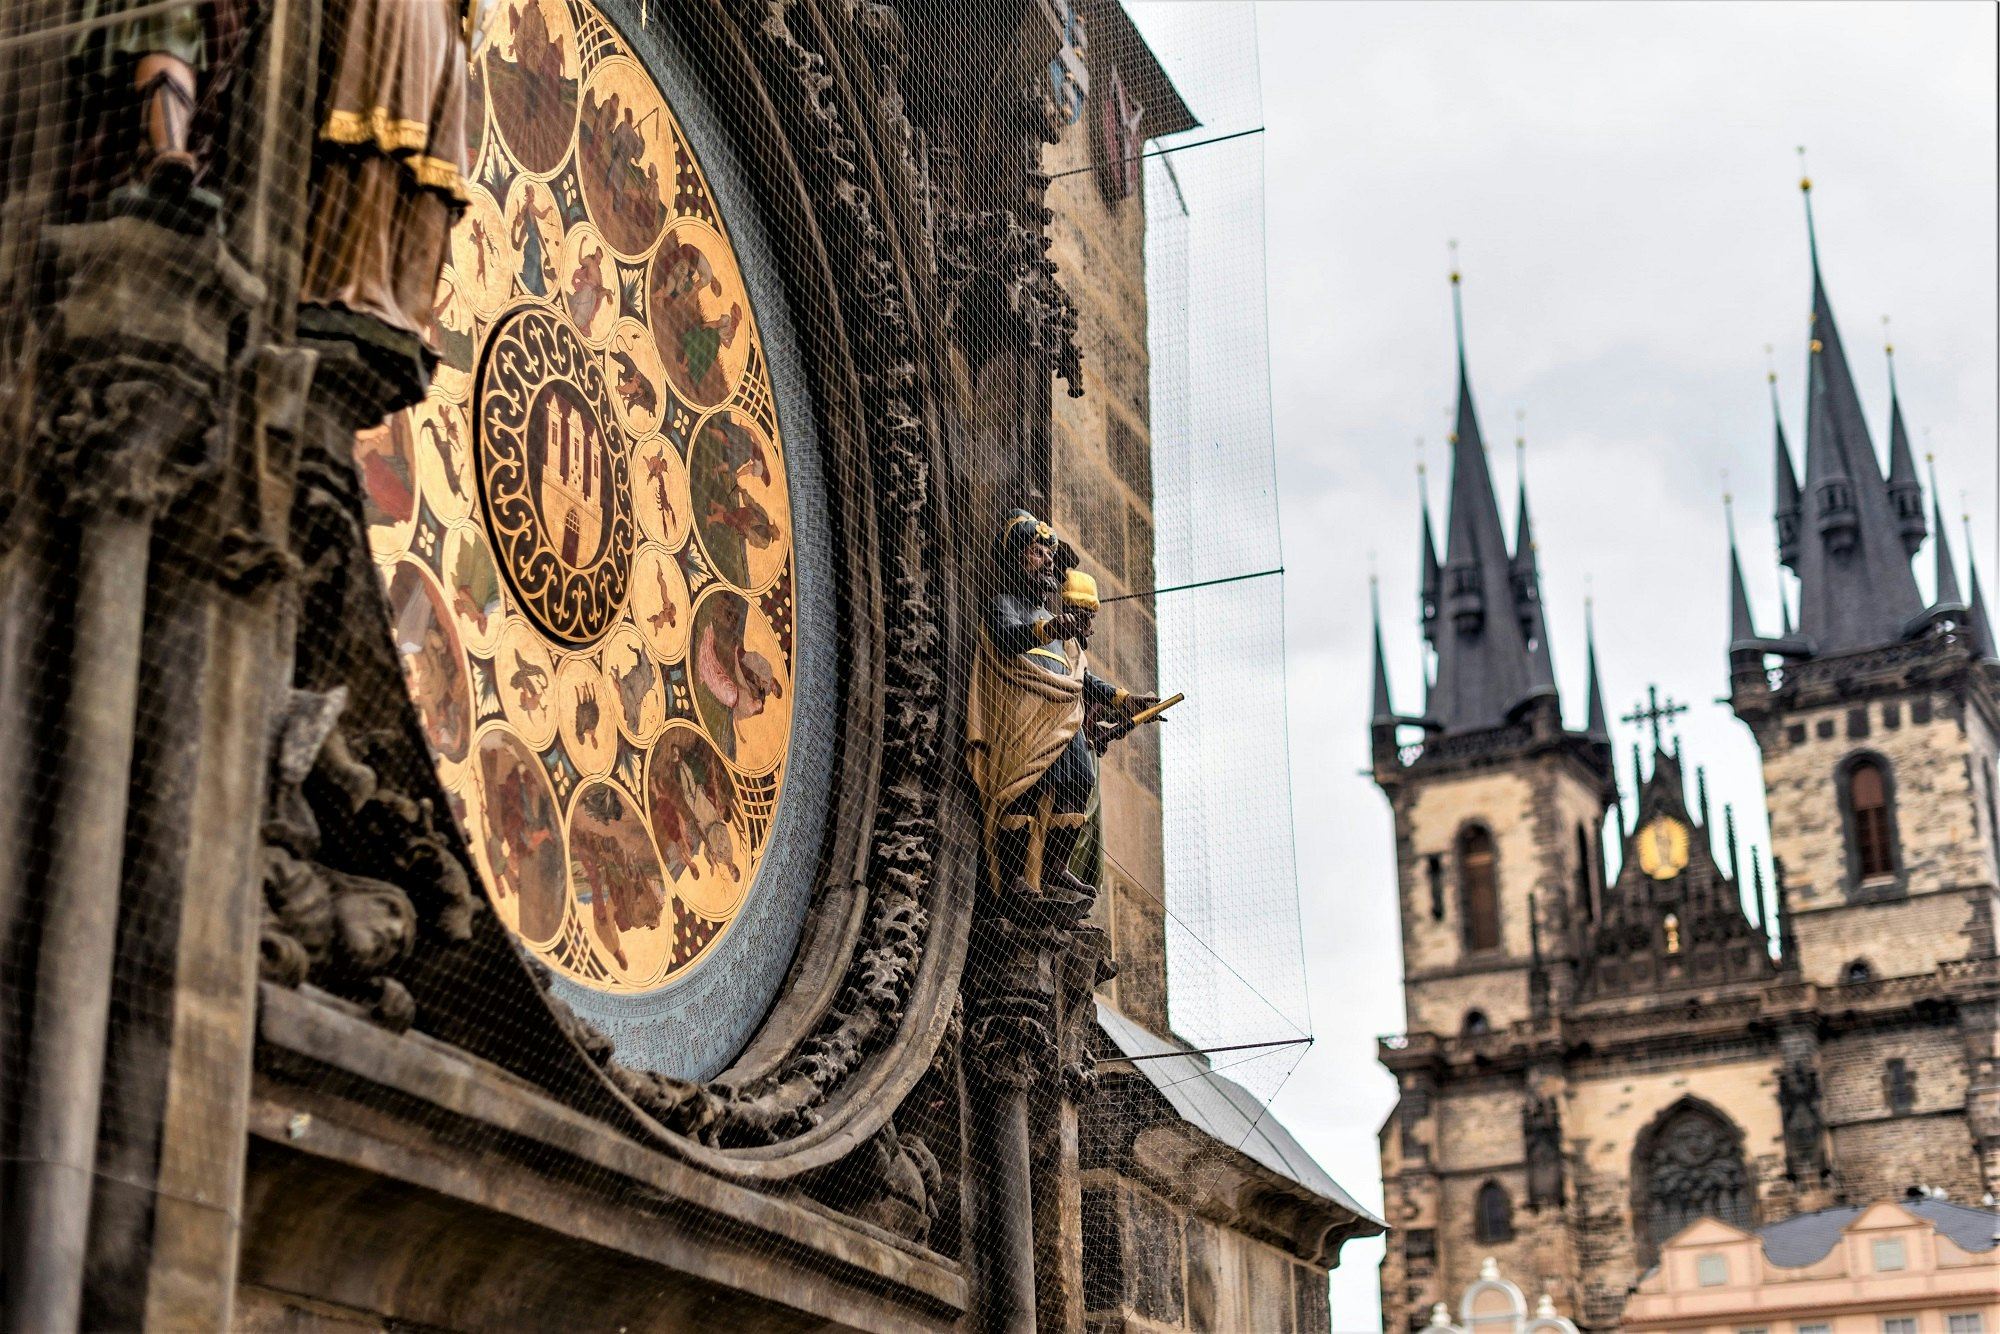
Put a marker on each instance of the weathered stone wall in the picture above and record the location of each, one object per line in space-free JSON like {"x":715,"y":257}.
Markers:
{"x":1925,"y":739}
{"x":1103,"y":484}
{"x":1532,"y":809}
{"x":1895,"y":938}
{"x":1880,"y":1154}
{"x":1151,"y":1264}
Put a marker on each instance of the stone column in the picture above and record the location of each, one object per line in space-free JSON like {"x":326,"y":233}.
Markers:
{"x":139,"y":344}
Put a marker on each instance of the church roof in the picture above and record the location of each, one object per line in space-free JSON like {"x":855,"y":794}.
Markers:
{"x":1485,"y":668}
{"x":1856,"y":588}
{"x":1807,"y":1238}
{"x":1222,"y":1109}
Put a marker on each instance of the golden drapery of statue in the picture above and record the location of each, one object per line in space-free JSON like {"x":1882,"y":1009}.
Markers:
{"x":1031,"y":698}
{"x":388,"y":168}
{"x":1018,"y":721}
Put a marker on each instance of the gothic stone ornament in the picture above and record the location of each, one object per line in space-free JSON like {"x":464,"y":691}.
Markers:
{"x":587,"y":534}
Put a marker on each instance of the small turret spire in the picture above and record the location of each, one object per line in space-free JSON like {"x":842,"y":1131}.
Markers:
{"x":1947,"y":572}
{"x":1381,"y":711}
{"x":1906,"y":497}
{"x":1729,"y":834}
{"x":1431,"y":582}
{"x":1976,"y":618}
{"x":1742,"y":626}
{"x":1595,"y":724}
{"x":1786,"y":513}
{"x":1527,"y":574}
{"x":1757,"y":889}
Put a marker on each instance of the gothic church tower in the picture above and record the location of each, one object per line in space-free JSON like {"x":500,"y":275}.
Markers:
{"x":1590,"y":1067}
{"x":1879,"y":722}
{"x":1498,"y":815}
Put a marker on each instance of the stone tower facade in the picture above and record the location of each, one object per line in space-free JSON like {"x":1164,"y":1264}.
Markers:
{"x":1589,"y":1067}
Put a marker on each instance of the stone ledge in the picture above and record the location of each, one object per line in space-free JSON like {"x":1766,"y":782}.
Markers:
{"x":494,"y":1166}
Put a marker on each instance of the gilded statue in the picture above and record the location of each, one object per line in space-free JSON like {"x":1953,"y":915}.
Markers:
{"x":1037,"y":719}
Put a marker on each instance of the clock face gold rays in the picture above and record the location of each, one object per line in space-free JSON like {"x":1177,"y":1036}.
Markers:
{"x":1663,"y":847}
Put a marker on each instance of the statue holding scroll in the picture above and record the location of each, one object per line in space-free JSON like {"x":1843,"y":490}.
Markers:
{"x":1033,"y":720}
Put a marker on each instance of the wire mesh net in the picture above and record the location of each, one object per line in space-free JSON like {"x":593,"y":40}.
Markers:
{"x":585,"y":594}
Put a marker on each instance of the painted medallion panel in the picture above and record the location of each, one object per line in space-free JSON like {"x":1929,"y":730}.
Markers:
{"x":587,"y":532}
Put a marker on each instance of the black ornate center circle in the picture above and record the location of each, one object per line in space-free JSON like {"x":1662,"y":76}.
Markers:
{"x":555,"y":474}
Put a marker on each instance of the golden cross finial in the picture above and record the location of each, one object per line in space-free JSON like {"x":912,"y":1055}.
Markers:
{"x":1452,"y":246}
{"x":1770,"y":364}
{"x":1805,"y":180}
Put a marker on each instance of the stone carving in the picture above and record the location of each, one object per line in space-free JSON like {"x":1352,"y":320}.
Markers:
{"x":344,"y":930}
{"x":996,"y":247}
{"x":892,"y":1181}
{"x":1805,"y":1129}
{"x":1032,"y":756}
{"x":1691,"y":1167}
{"x":1541,"y":1132}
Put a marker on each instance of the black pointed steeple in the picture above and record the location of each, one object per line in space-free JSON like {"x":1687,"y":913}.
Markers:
{"x":1381,"y":710}
{"x":1527,"y":578}
{"x":1786,"y":512}
{"x":1976,"y":618}
{"x":1484,"y":668}
{"x":1906,"y":494}
{"x":1856,"y":588}
{"x":1431,"y":584}
{"x":1595,"y":724}
{"x":1742,"y":626}
{"x":1947,"y":572}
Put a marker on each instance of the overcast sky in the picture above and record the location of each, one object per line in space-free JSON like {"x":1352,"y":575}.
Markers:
{"x":1622,"y":183}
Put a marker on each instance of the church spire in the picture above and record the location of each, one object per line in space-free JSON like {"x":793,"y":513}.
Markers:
{"x":1742,"y":627}
{"x":1484,"y":667}
{"x":1786,"y":512}
{"x":1982,"y":628}
{"x":1595,"y":725}
{"x":1947,"y":573}
{"x":1381,"y":710}
{"x":1906,"y":495}
{"x":1527,"y":577}
{"x":1856,"y":586}
{"x":1431,"y":585}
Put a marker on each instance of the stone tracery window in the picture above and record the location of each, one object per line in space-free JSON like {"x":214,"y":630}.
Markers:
{"x":1689,"y":1165}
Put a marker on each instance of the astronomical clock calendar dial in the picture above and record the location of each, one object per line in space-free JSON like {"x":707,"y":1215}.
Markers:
{"x":587,"y":531}
{"x":1663,"y":847}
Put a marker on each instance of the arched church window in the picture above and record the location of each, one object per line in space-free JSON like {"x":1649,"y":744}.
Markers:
{"x":1585,"y":899}
{"x":1493,"y":1214}
{"x":1869,"y":811}
{"x":1479,"y":888}
{"x":1688,"y":1165}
